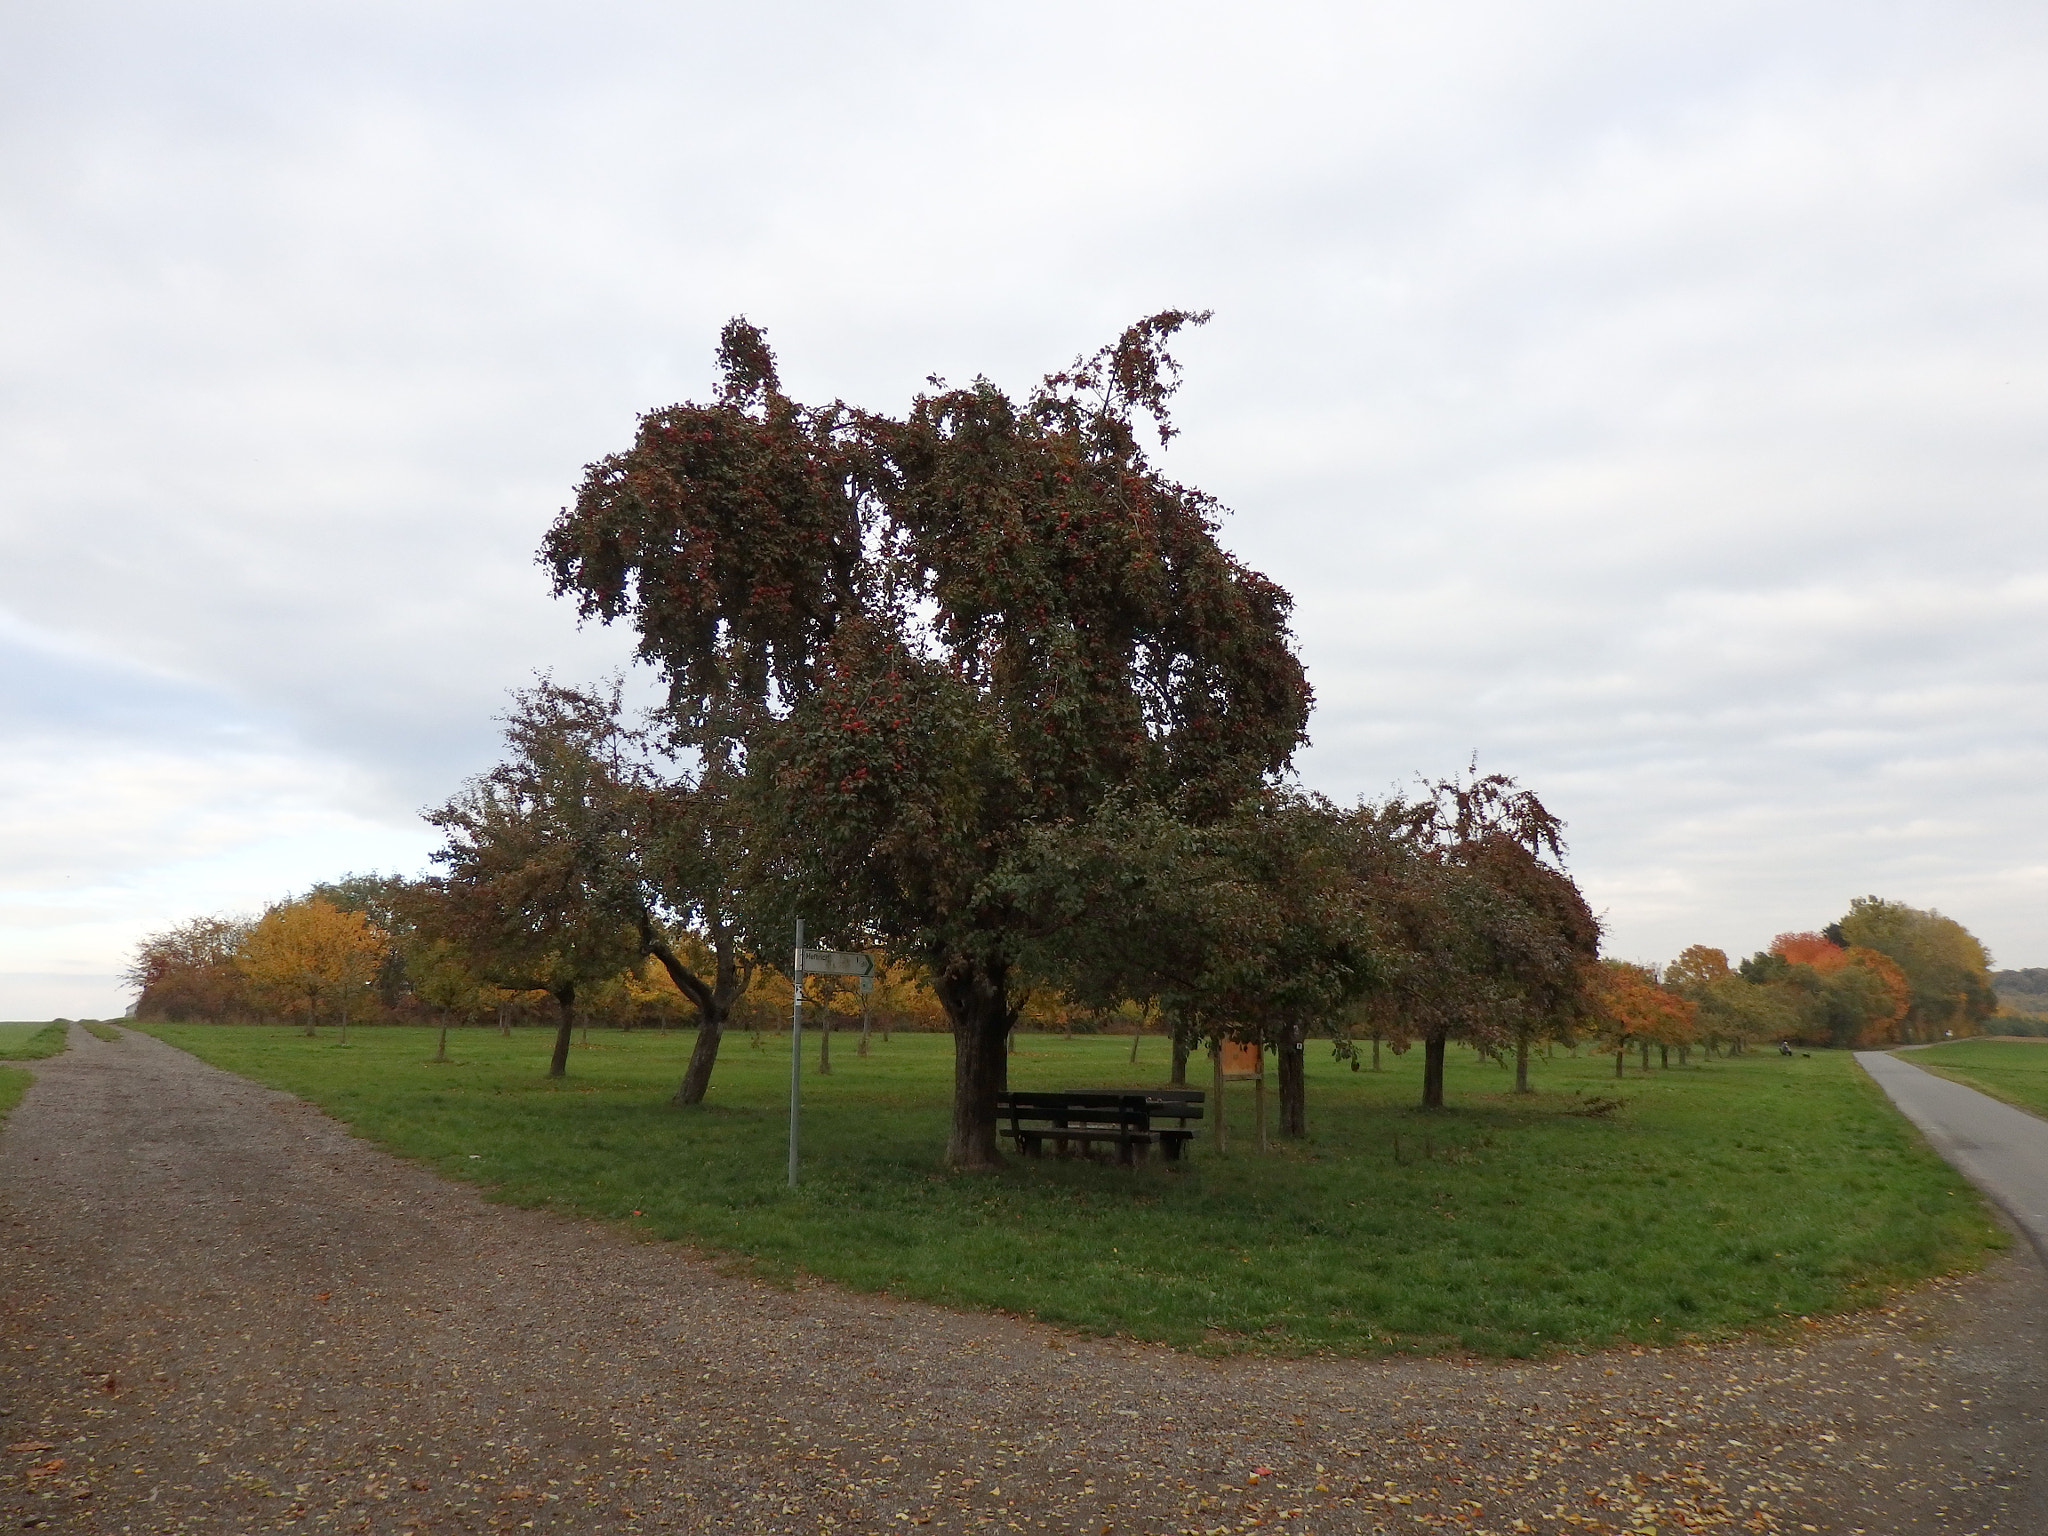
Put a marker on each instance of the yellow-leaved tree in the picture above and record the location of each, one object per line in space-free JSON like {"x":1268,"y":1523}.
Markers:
{"x":313,"y":951}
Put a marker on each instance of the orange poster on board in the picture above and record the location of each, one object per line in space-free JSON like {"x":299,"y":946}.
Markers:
{"x":1241,"y":1060}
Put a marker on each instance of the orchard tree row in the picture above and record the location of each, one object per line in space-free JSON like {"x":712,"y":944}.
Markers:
{"x":366,"y":948}
{"x":976,"y":689}
{"x":973,"y":687}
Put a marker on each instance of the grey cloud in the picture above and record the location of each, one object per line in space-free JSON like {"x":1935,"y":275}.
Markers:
{"x":1648,"y":400}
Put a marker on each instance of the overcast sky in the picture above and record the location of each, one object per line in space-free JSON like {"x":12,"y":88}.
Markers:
{"x":1649,"y":399}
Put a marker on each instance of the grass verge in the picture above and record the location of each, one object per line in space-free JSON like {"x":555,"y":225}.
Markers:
{"x":32,"y":1042}
{"x":13,"y":1084}
{"x":2013,"y":1070}
{"x":99,"y":1031}
{"x":1722,"y":1198}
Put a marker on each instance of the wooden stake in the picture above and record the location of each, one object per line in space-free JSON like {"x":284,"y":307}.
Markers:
{"x":1222,"y":1132}
{"x":1259,"y":1098}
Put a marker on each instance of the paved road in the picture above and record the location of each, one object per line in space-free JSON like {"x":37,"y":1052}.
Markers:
{"x":2002,"y":1150}
{"x":220,"y":1312}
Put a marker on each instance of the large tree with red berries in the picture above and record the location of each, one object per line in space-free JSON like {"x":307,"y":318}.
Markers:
{"x":927,"y":640}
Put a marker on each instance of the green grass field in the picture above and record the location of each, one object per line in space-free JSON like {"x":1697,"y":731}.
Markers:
{"x":25,"y":1042}
{"x":1722,"y":1198}
{"x":2013,"y":1070}
{"x":31,"y":1042}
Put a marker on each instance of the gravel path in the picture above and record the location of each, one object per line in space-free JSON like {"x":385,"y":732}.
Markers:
{"x":219,"y":1312}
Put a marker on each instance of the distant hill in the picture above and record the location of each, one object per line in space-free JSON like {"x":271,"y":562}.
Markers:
{"x":2020,"y":992}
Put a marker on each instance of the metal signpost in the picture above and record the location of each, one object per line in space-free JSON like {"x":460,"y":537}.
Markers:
{"x":814,"y":962}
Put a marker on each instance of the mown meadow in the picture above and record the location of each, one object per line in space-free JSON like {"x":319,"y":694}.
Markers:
{"x":1723,"y":1197}
{"x":2013,"y":1070}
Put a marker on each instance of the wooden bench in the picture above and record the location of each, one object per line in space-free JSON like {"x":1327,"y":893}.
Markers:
{"x":1127,"y":1119}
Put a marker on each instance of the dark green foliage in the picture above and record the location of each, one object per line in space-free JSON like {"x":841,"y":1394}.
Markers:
{"x":536,"y":894}
{"x":1763,"y":968}
{"x":1947,"y":969}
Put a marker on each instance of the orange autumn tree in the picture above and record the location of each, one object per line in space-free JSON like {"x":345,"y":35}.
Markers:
{"x":1631,"y":1008}
{"x":1886,"y":1028}
{"x":1845,"y":995}
{"x":1811,"y":949}
{"x":1696,"y":968}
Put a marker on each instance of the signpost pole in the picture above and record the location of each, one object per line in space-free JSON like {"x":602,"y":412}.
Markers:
{"x":796,"y":1046}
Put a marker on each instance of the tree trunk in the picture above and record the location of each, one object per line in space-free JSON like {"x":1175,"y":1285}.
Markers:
{"x":714,"y":1007}
{"x":1664,"y":1054}
{"x":1522,"y":1064}
{"x":565,"y":999}
{"x":1376,"y":1053}
{"x":441,"y":1049}
{"x":1294,"y":1081}
{"x":1136,"y":1035}
{"x":1433,"y":1070}
{"x":1620,"y":1056}
{"x":977,"y":1004}
{"x":1180,"y":1059}
{"x":1646,"y":1055}
{"x":703,"y":1057}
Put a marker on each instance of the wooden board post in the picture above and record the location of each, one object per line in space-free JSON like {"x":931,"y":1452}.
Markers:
{"x":1237,"y":1062}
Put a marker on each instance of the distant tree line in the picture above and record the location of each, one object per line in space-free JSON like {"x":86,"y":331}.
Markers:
{"x":2022,"y":1002}
{"x":1884,"y":974}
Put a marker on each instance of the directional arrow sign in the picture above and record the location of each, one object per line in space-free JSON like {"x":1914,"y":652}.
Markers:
{"x":834,"y":962}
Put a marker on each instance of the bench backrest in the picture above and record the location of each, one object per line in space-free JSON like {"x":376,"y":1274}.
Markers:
{"x":1136,"y":1108}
